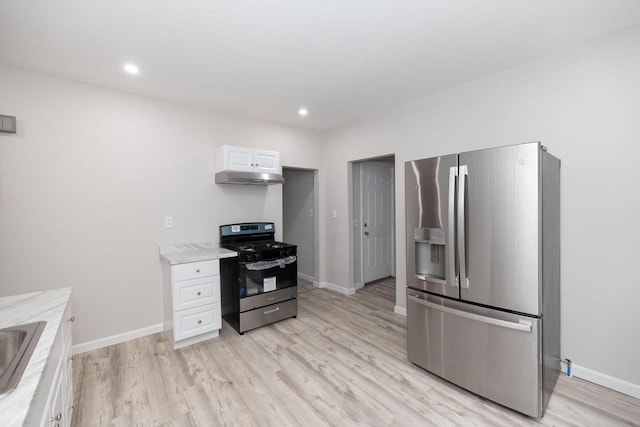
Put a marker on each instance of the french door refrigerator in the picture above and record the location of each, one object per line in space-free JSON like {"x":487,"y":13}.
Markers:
{"x":483,"y":272}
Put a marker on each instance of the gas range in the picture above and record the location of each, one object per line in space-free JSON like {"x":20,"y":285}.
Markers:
{"x":259,"y":286}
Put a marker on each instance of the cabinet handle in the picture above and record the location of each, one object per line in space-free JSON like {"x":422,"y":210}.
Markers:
{"x":252,"y":164}
{"x":197,"y":270}
{"x":58,"y":417}
{"x":72,"y":319}
{"x":199,"y":322}
{"x":72,"y":357}
{"x":198,"y":293}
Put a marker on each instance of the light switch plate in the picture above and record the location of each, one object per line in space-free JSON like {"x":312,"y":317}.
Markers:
{"x":7,"y":124}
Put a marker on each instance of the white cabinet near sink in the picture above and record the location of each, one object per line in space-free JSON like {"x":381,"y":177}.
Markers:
{"x":243,"y":159}
{"x":192,"y":311}
{"x":58,"y":410}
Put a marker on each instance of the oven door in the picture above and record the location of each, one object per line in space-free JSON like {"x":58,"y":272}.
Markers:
{"x":267,"y":276}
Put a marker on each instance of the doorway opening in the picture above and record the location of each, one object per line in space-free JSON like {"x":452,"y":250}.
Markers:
{"x":373,"y":220}
{"x":300,"y":225}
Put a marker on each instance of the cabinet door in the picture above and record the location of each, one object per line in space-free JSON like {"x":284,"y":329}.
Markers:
{"x":238,"y":158}
{"x":195,"y":321}
{"x":66,"y":370}
{"x":69,"y":405}
{"x":56,"y":408}
{"x":66,"y":389}
{"x":266,"y":161}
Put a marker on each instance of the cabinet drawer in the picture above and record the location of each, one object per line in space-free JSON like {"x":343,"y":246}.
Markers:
{"x":195,"y":270}
{"x":196,"y":321}
{"x":196,"y":292}
{"x":477,"y":348}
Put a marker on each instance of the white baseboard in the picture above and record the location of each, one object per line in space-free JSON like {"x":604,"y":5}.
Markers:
{"x":359,"y":285}
{"x":604,"y":380}
{"x":400,"y":310}
{"x":336,"y":288}
{"x":305,"y":277}
{"x":193,"y":340}
{"x":116,"y":339}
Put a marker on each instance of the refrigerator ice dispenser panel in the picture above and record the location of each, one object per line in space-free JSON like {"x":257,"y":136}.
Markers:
{"x":430,"y":254}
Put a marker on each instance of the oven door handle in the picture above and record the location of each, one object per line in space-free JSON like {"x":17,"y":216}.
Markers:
{"x":266,"y":265}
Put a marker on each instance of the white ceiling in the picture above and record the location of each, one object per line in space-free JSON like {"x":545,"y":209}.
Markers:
{"x":342,"y":59}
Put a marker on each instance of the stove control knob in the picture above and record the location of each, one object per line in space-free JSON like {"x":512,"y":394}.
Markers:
{"x":249,"y":257}
{"x":283,"y":252}
{"x":257,"y":256}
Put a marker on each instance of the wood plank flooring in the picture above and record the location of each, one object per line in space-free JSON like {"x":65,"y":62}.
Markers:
{"x":341,"y":362}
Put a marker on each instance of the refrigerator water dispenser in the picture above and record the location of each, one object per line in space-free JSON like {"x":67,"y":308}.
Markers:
{"x":430,"y":260}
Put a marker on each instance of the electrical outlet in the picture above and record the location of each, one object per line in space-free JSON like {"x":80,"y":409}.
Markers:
{"x":168,"y":222}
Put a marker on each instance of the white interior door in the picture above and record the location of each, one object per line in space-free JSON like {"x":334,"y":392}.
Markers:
{"x":377,"y":220}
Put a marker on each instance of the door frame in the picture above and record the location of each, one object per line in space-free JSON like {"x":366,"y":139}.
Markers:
{"x":356,"y":239}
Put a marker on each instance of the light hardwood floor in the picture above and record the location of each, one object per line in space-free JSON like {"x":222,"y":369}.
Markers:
{"x":341,"y":362}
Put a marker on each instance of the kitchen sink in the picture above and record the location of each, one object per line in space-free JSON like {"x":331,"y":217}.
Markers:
{"x":16,"y":346}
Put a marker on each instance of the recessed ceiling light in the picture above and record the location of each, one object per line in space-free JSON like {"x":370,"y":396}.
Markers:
{"x":303,"y":112}
{"x":132,"y":69}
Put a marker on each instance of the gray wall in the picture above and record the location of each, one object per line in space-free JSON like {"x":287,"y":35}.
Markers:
{"x":584,"y":105}
{"x":298,"y":225}
{"x":86,"y":182}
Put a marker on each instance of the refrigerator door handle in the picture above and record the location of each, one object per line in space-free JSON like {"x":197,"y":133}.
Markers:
{"x":522,"y":325}
{"x":452,"y":278}
{"x":463,"y":171}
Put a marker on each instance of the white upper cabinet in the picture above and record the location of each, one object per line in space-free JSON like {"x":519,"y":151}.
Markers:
{"x":236,"y":158}
{"x":266,"y":161}
{"x":247,"y":159}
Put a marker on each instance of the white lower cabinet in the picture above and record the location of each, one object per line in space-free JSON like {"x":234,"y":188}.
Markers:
{"x":197,"y":321}
{"x":192,"y":311}
{"x":54,"y":417}
{"x":59,"y":407}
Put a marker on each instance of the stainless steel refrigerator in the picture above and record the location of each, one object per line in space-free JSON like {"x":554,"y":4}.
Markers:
{"x":483,"y":272}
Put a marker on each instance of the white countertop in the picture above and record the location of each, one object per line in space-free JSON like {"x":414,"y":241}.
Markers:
{"x":48,"y":306}
{"x":191,"y":252}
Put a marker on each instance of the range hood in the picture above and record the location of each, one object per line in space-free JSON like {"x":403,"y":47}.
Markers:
{"x":248,"y":178}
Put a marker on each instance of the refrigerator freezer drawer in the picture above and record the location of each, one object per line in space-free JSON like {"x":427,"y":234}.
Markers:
{"x":491,"y":353}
